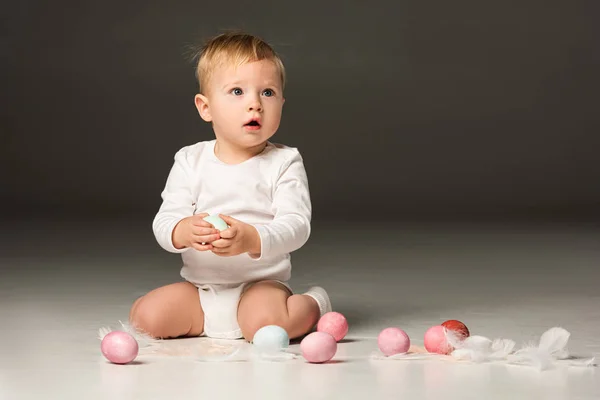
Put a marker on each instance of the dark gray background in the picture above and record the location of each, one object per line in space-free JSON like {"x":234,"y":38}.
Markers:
{"x":401,"y":109}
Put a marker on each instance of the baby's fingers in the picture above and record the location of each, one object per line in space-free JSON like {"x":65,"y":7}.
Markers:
{"x":205,"y":238}
{"x":197,"y":220}
{"x":223,"y":252}
{"x":203,"y":231}
{"x":202,"y":247}
{"x":229,"y":233}
{"x":222,"y":243}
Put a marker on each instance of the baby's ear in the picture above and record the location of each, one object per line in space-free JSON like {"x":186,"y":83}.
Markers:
{"x":202,"y":106}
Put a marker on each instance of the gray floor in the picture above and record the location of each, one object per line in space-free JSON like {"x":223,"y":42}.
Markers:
{"x":60,"y":282}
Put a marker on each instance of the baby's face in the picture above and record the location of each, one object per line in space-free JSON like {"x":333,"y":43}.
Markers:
{"x":245,"y":103}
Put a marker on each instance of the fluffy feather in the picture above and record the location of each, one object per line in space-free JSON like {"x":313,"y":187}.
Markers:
{"x":454,"y":339}
{"x":552,"y":347}
{"x":501,"y":348}
{"x":103,"y":332}
{"x":473,"y":348}
{"x":144,"y":340}
{"x":554,"y":342}
{"x":532,"y":356}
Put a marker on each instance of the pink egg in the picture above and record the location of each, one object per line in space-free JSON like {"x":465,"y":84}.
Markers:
{"x":318,"y":347}
{"x":333,"y":323}
{"x":119,"y":347}
{"x":393,"y":341}
{"x":435,"y":340}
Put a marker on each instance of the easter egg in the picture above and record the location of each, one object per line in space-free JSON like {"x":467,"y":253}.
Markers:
{"x":393,"y":341}
{"x":333,"y":323}
{"x":216,"y":221}
{"x":318,"y":347}
{"x":435,"y":340}
{"x":119,"y":347}
{"x":457,"y":327}
{"x":271,"y":338}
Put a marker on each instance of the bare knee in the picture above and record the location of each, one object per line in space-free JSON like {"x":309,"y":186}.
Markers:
{"x":265,"y":303}
{"x":169,"y":311}
{"x":146,"y":319}
{"x":259,"y":319}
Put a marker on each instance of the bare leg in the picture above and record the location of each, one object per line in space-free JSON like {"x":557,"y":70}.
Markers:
{"x":270,"y":303}
{"x":168,"y":312}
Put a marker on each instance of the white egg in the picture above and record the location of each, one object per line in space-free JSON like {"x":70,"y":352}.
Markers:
{"x":271,"y":338}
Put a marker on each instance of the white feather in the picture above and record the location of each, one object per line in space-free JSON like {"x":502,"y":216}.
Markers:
{"x":501,"y":348}
{"x":103,"y":332}
{"x":552,"y":347}
{"x":554,"y":342}
{"x":462,"y":354}
{"x":473,"y":348}
{"x":144,"y":340}
{"x":477,"y":343}
{"x":532,"y":356}
{"x":453,"y":338}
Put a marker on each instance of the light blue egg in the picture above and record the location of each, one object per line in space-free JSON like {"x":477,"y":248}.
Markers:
{"x":271,"y":338}
{"x":217,"y":222}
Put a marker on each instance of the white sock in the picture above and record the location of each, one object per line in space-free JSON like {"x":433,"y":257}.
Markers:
{"x":322,"y":299}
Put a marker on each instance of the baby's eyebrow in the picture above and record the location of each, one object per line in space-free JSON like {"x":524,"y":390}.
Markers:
{"x":267,"y":84}
{"x":231,"y":84}
{"x":271,"y":84}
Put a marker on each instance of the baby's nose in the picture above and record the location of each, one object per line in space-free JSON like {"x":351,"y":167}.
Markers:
{"x":255,"y":105}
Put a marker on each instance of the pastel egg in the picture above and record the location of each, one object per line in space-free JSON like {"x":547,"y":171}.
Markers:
{"x":217,"y":222}
{"x":457,"y":327}
{"x":333,"y":323}
{"x":393,"y":341}
{"x":271,"y":338}
{"x":435,"y":340}
{"x":119,"y":347}
{"x":318,"y":347}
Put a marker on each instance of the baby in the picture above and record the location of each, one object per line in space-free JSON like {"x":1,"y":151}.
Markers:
{"x":235,"y":279}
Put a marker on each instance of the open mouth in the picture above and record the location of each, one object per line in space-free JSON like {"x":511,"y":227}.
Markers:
{"x":253,"y":124}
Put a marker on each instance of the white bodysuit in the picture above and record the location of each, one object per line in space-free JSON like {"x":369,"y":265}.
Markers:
{"x":269,"y":191}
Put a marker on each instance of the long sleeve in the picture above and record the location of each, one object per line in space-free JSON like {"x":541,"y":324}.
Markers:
{"x":290,"y":228}
{"x":177,"y":204}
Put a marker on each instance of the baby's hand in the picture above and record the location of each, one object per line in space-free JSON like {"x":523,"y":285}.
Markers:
{"x":239,"y":238}
{"x":195,"y":232}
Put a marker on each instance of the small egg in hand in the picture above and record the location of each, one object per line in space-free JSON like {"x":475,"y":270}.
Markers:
{"x":217,"y":222}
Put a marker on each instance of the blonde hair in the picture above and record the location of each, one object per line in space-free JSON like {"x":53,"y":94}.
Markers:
{"x":233,"y":48}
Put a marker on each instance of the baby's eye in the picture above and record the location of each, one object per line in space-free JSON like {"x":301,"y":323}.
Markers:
{"x":237,"y":91}
{"x":268,"y":93}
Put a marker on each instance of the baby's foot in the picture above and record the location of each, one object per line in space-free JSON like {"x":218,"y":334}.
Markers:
{"x":322,"y":299}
